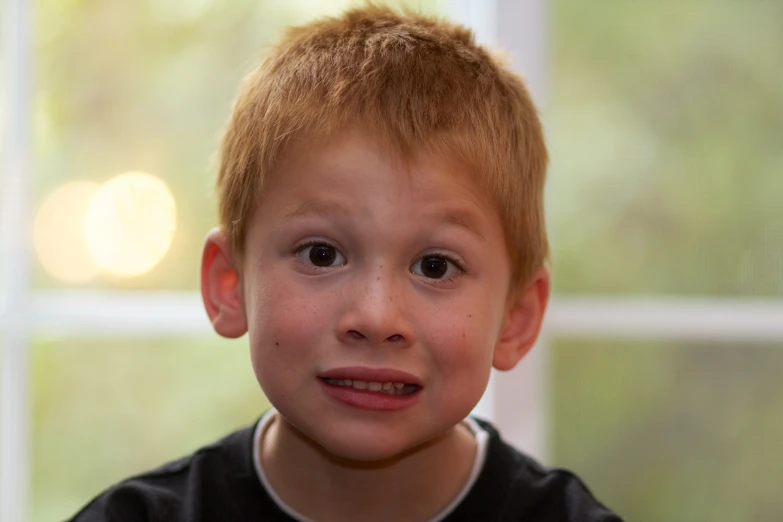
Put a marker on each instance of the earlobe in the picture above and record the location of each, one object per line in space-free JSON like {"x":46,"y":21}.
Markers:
{"x":522,"y":322}
{"x":221,"y":288}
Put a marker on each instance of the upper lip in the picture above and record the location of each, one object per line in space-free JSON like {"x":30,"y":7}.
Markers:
{"x":362,"y":373}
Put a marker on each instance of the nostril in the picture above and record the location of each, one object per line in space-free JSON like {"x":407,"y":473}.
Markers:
{"x":355,"y":334}
{"x":395,"y":337}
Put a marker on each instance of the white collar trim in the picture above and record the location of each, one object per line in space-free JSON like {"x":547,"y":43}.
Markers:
{"x":482,"y":443}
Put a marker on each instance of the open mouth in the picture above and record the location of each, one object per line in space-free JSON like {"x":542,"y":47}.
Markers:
{"x":387,"y":388}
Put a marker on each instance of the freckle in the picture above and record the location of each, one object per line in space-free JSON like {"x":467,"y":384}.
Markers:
{"x":470,"y":315}
{"x":277,"y":344}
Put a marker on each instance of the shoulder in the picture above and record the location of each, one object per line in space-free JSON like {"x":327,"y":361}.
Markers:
{"x":197,"y":483}
{"x":516,"y":487}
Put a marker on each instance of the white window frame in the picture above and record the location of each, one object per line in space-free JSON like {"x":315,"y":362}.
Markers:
{"x":516,"y":400}
{"x":15,"y":266}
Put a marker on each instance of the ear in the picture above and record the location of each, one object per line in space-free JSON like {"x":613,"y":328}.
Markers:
{"x":221,"y":287}
{"x":524,"y":315}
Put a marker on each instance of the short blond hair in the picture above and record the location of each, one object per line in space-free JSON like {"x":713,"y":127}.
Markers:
{"x":417,"y":84}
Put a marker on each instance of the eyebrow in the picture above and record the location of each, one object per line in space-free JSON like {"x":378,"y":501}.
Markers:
{"x":461,"y":218}
{"x":313,"y":206}
{"x":458,"y":217}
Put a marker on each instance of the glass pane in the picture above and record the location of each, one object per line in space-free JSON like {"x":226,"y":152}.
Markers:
{"x":672,"y":432}
{"x":129,"y":87}
{"x":665,"y":126}
{"x":107,"y":408}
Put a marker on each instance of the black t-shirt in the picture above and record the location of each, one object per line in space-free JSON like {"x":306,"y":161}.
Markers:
{"x":219,"y":483}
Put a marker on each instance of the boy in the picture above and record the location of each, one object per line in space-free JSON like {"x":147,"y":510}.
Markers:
{"x":382,"y":243}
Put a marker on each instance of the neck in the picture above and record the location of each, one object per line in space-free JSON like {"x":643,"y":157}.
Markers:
{"x":414,"y":486}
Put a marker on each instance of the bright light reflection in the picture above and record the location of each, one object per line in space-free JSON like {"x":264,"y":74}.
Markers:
{"x":130,"y":224}
{"x":58,"y":233}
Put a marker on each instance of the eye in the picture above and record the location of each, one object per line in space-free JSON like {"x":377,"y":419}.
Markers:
{"x":321,"y":255}
{"x":436,"y":267}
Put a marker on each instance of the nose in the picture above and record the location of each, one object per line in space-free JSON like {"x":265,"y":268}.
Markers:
{"x":376,"y":312}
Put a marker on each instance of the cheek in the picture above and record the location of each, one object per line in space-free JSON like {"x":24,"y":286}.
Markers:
{"x":284,"y":326}
{"x":465,"y":343}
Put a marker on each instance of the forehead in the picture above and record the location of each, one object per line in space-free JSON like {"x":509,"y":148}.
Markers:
{"x":354,"y":162}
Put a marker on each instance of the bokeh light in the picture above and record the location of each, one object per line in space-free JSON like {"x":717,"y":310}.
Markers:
{"x":58,"y":233}
{"x":130,"y":224}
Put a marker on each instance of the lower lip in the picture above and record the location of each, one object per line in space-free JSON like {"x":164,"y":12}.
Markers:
{"x":369,"y":400}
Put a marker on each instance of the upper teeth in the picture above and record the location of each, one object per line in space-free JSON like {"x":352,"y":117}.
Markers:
{"x":392,"y":388}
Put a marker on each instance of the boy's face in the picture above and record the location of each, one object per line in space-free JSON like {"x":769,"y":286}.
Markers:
{"x":354,"y":266}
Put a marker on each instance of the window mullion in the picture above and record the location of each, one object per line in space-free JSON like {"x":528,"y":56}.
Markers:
{"x":15,"y":266}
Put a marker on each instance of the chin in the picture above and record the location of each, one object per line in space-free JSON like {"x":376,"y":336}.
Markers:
{"x":365,"y":449}
{"x":365,"y":453}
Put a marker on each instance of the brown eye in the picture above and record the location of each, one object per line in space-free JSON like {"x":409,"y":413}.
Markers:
{"x":321,"y":255}
{"x":434,"y":267}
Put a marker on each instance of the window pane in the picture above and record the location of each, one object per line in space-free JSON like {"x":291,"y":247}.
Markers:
{"x":666,"y":125}
{"x":672,"y":432}
{"x":140,"y":86}
{"x":106,"y":408}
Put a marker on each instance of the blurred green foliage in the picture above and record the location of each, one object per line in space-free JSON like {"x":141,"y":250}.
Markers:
{"x":106,"y":408}
{"x":666,"y":130}
{"x":686,"y":432}
{"x":665,"y":123}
